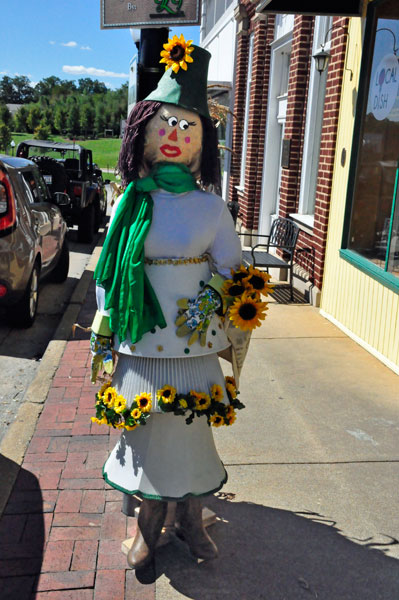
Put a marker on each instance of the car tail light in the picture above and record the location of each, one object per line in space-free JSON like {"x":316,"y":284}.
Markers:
{"x":8,"y":215}
{"x":3,"y":290}
{"x":77,"y":190}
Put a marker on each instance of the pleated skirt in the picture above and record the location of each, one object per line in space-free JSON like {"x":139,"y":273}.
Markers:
{"x":166,"y":459}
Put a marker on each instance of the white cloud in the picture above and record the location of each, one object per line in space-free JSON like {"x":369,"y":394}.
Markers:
{"x":4,"y":72}
{"x":81,"y":70}
{"x":85,"y":48}
{"x":51,"y":42}
{"x":69,"y":44}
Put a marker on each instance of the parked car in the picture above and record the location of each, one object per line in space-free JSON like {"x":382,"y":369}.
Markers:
{"x":33,"y":241}
{"x":70,"y":168}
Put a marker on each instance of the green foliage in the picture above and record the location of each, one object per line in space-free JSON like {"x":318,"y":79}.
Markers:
{"x":16,"y":90}
{"x":34,"y":118}
{"x":42,"y":132}
{"x":5,"y":136}
{"x":20,"y":119}
{"x":86,"y":107}
{"x":5,"y":115}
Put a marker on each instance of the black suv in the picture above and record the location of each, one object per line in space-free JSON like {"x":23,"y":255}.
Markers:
{"x":69,"y":168}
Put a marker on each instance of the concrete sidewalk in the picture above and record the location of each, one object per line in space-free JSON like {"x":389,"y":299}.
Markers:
{"x":310,"y":509}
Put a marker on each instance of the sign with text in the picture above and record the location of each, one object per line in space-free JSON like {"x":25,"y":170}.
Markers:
{"x":149,"y":13}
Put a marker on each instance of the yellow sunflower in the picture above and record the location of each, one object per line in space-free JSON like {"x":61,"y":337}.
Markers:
{"x":231,"y":415}
{"x":233,"y":288}
{"x":247,"y":313}
{"x":130,"y":427}
{"x":136,"y":413}
{"x":144,"y":402}
{"x":95,"y":420}
{"x":202,"y":401}
{"x":183,"y":403}
{"x":119,"y":404}
{"x":216,"y":420}
{"x":102,"y":389}
{"x":109,"y":396}
{"x":230,"y":379}
{"x":232,"y":390}
{"x":176,"y":53}
{"x":217,"y":393}
{"x":167,"y":394}
{"x":258,"y":281}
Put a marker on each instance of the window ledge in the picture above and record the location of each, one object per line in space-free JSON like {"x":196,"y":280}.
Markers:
{"x":367,"y":267}
{"x":304,"y":222}
{"x":240,"y":190}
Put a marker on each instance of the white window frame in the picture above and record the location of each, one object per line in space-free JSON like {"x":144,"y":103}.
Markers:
{"x":313,"y":128}
{"x":246,"y":116}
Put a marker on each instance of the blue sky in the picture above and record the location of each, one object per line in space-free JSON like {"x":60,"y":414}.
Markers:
{"x":40,"y":38}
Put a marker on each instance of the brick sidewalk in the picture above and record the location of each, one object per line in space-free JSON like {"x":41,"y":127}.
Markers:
{"x":62,"y":529}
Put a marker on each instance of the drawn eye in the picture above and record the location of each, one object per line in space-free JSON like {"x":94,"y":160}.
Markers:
{"x":172,"y":121}
{"x":183,"y":124}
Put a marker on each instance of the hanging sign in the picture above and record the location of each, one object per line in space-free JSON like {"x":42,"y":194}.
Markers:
{"x":384,"y":87}
{"x":149,"y":13}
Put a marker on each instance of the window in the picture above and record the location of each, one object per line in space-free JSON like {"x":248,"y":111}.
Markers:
{"x":214,"y":10}
{"x":372,"y":227}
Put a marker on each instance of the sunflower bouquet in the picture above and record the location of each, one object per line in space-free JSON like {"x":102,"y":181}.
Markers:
{"x":242,"y":295}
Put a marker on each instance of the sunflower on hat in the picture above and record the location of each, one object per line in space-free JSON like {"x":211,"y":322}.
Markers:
{"x":176,"y":53}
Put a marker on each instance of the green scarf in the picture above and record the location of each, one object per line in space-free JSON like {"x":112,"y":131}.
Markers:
{"x":129,"y":296}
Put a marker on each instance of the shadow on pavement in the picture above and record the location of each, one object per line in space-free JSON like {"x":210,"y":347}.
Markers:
{"x":21,"y":534}
{"x":273,"y":554}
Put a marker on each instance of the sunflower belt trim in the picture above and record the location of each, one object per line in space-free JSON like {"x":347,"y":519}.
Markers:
{"x":112,"y":409}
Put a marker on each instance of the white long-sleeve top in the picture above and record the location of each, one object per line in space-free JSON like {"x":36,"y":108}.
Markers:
{"x":184,"y":226}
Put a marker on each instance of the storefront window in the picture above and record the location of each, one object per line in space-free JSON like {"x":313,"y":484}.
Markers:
{"x":373,"y":230}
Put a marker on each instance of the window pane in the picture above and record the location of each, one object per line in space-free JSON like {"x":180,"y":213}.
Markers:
{"x":371,"y":226}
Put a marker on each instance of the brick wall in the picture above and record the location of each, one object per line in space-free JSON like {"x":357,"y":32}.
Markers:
{"x":327,"y":149}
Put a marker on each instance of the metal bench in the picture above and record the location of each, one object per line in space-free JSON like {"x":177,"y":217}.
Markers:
{"x":283,"y":236}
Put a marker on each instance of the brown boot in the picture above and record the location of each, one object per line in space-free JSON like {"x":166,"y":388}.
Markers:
{"x":190,"y":528}
{"x":149,"y":526}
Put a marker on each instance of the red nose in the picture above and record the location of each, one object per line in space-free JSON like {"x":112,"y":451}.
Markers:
{"x":173,"y":136}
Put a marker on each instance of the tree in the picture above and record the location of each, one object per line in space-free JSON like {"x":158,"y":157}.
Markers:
{"x":91,"y":86}
{"x":60,"y":118}
{"x":46,"y":86}
{"x":42,"y":132}
{"x":86,"y":119}
{"x":99,"y":119}
{"x":16,"y":90}
{"x":5,"y":115}
{"x":5,"y":136}
{"x":72,"y":121}
{"x":34,"y":118}
{"x":20,"y":120}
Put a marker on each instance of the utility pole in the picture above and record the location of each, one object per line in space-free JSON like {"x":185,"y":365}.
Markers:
{"x":149,"y":70}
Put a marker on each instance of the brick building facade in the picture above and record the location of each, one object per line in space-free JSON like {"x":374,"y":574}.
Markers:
{"x":261,"y":126}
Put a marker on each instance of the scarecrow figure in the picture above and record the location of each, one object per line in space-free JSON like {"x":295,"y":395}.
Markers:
{"x":169,"y":249}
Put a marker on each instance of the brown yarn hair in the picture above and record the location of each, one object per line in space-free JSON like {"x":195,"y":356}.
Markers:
{"x":132,"y":148}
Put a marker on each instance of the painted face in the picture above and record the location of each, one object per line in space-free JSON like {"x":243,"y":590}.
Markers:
{"x":174,"y":134}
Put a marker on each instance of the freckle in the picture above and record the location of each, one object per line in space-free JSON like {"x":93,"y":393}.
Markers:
{"x":161,"y":132}
{"x":187,"y":140}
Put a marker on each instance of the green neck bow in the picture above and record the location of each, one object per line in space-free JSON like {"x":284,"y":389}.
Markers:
{"x":133,"y":305}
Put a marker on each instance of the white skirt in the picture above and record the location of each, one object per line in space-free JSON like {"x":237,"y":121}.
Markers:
{"x":166,"y":459}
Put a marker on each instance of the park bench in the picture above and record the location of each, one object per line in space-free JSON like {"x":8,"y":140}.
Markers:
{"x":283,"y":236}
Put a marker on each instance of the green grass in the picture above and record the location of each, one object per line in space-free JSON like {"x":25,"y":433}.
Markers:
{"x":105,"y":150}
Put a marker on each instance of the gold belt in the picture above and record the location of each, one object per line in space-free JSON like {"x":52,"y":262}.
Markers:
{"x":194,"y":260}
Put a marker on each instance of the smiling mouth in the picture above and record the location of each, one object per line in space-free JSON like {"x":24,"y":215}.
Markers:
{"x":170,"y":151}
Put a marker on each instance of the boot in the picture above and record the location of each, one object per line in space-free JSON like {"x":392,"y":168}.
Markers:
{"x":149,"y":526}
{"x":190,"y":528}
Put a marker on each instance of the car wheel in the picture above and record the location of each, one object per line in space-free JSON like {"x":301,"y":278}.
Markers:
{"x":86,"y":225}
{"x":60,"y":271}
{"x":24,"y":312}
